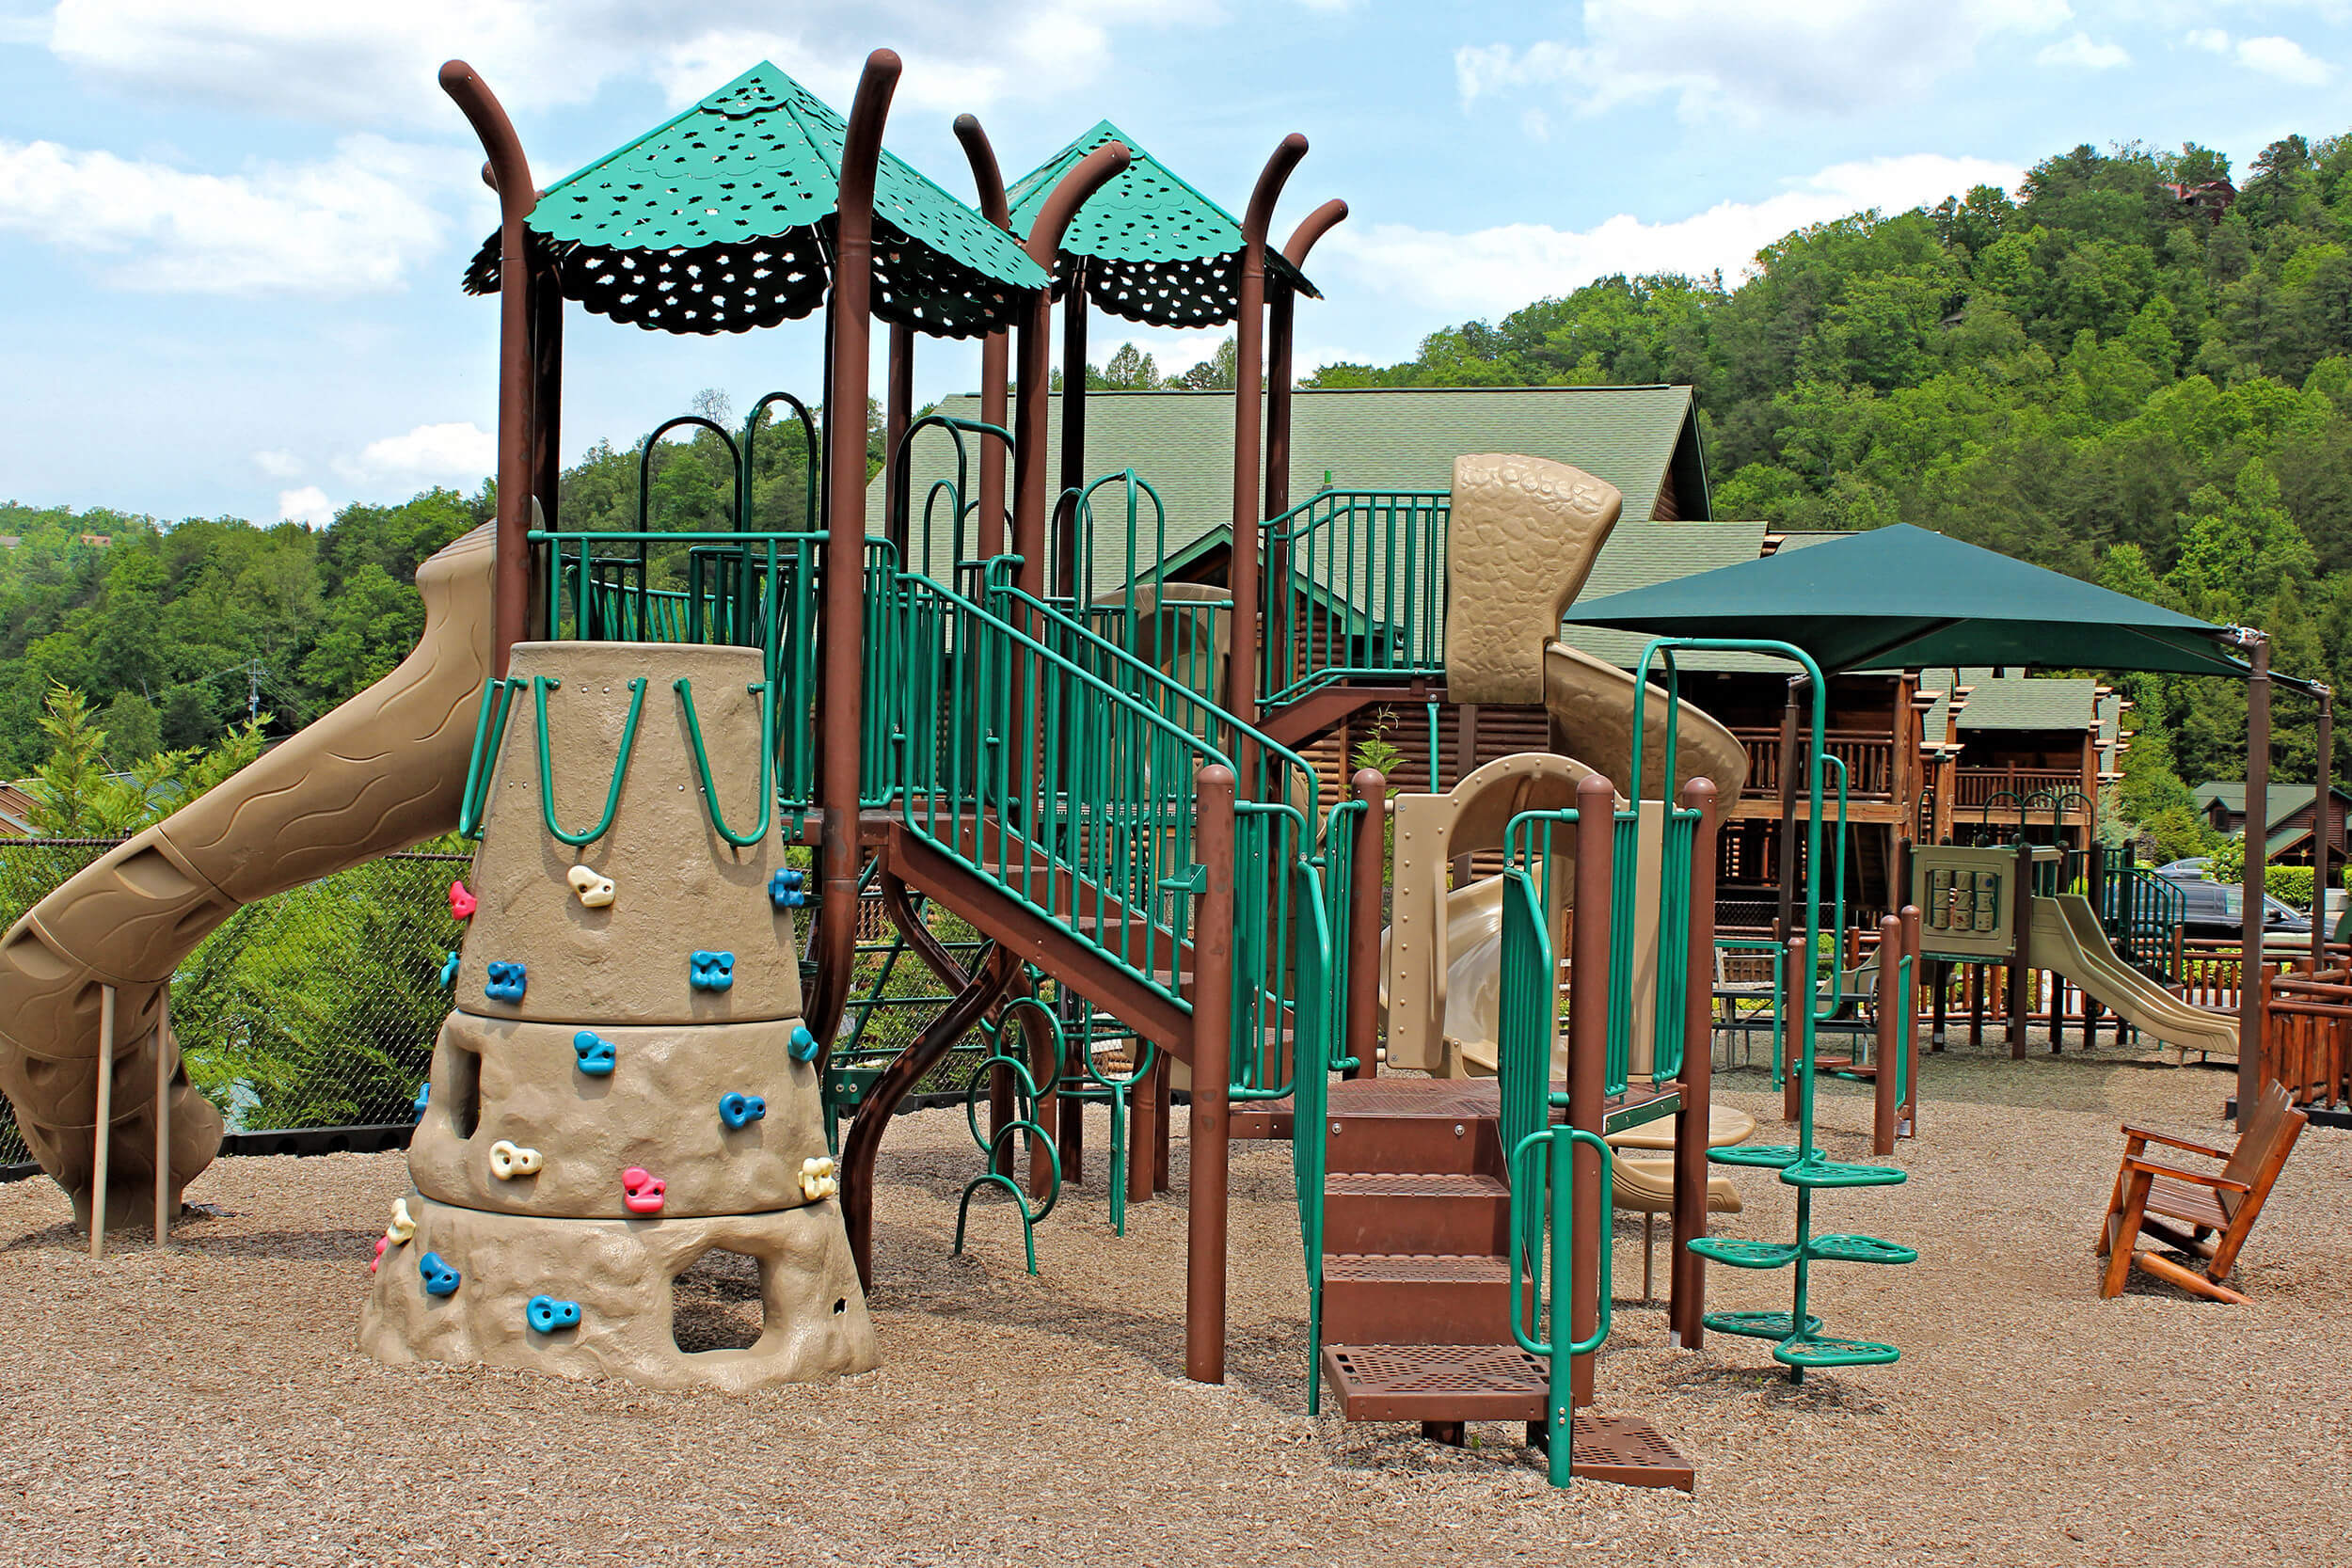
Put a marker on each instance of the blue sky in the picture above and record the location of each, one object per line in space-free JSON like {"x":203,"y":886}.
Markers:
{"x":232,"y":231}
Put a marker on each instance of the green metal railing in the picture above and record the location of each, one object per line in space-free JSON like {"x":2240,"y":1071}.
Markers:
{"x":1543,"y":1194}
{"x":2140,"y":911}
{"x":1355,"y":589}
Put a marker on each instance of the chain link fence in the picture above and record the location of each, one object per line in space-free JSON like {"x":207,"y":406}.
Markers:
{"x":315,"y":1009}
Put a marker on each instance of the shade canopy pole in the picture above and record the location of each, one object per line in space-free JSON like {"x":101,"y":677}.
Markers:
{"x":988,"y":184}
{"x":1249,"y":384}
{"x":2323,"y":827}
{"x":2249,"y":990}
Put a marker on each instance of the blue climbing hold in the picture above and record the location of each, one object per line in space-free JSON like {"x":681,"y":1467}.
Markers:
{"x":710,"y":971}
{"x":423,"y":1091}
{"x":596,"y":1053}
{"x":449,"y":971}
{"x":737,"y":1109}
{"x":803,"y":1044}
{"x":788,"y":890}
{"x":547,"y":1314}
{"x":505,"y":983}
{"x":440,"y":1278}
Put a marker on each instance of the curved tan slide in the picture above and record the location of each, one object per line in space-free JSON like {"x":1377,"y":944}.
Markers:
{"x":2066,"y":939}
{"x":378,"y":773}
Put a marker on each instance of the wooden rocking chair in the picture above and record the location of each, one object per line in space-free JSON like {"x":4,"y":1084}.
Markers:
{"x":2219,"y":1211}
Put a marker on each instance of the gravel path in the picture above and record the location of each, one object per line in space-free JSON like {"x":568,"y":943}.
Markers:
{"x":207,"y":1405}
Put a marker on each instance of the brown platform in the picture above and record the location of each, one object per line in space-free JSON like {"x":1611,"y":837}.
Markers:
{"x":1440,"y":1383}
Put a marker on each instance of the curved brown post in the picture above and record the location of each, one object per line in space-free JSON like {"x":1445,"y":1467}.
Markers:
{"x":1686,"y":1276}
{"x":509,"y":174}
{"x":1032,"y":345}
{"x":1205,"y":1212}
{"x":2250,"y":990}
{"x":1281,"y":301}
{"x":838,"y":780}
{"x":1368,"y":867}
{"x":859,"y":1150}
{"x":1884,"y":1052}
{"x":899,"y":413}
{"x":1248,"y":382}
{"x":1588,"y":1051}
{"x":988,"y":185}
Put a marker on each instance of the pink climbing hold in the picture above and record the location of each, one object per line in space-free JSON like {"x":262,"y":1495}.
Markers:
{"x":642,"y":1190}
{"x":381,"y":1243}
{"x":461,"y":903}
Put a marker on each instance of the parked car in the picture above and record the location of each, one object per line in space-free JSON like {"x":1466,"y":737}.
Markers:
{"x":2195,"y":868}
{"x":2219,"y":909}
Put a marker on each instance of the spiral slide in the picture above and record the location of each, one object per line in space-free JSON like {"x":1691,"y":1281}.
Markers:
{"x":2068,"y":941}
{"x":377,"y":775}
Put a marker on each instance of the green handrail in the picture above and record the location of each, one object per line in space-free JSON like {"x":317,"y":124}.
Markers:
{"x":1535,"y":1189}
{"x":540,"y":686}
{"x":490,"y":736}
{"x":765,"y":692}
{"x":1353,"y":590}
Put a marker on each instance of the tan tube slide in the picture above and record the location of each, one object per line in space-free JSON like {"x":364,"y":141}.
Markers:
{"x":2066,"y":939}
{"x":377,"y":775}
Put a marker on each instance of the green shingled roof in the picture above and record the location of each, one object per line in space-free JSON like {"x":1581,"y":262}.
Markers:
{"x":1182,"y":443}
{"x":2281,"y":801}
{"x":2013,"y":702}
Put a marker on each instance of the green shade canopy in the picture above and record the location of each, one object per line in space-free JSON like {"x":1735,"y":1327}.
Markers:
{"x":723,"y":219}
{"x":1901,"y":597}
{"x":1156,"y":250}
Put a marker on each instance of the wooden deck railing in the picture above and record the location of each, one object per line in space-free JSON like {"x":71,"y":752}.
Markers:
{"x":2307,"y":1034}
{"x":1974,"y":786}
{"x":1869,"y":760}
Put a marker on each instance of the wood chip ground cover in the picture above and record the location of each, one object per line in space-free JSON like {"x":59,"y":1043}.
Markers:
{"x":206,"y":1404}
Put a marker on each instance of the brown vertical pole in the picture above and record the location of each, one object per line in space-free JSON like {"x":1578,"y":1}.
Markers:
{"x":1248,"y":381}
{"x":1976,"y":1006}
{"x":165,"y":1051}
{"x":1588,"y":1052}
{"x":1367,"y":869}
{"x":101,"y":1126}
{"x":988,"y":184}
{"x":2323,"y":830}
{"x":2249,"y":1013}
{"x":2021,"y":949}
{"x":508,"y":172}
{"x":1941,"y":1003}
{"x":899,"y":413}
{"x":1907,"y":1119}
{"x":1686,"y":1276}
{"x":547,"y":407}
{"x":1464,"y":760}
{"x":1278,"y":372}
{"x":1212,"y":1045}
{"x":1796,"y":995}
{"x":839,"y":778}
{"x":1888,"y":1045}
{"x":1073,"y":430}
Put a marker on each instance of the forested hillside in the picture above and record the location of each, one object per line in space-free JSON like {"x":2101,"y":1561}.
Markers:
{"x":2130,"y":372}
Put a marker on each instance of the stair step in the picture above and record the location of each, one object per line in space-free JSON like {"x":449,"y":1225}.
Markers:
{"x":1818,"y":1172}
{"x":1858,"y":1249}
{"x":1764,"y":1156}
{"x":1410,"y":1211}
{"x":1419,"y":1299}
{"x":1746,"y":1255}
{"x":1819,"y":1350}
{"x":1442,"y":1144}
{"x":1757,"y":1326}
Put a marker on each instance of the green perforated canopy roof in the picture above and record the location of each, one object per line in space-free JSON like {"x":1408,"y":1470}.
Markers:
{"x":1157,"y":251}
{"x":723,"y":219}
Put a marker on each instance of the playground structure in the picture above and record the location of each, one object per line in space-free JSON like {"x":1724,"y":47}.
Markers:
{"x":695,"y":759}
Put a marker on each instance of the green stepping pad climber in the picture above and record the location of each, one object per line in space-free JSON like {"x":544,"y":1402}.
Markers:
{"x":1759,"y":1325}
{"x":1859,"y":1249}
{"x":1767,"y":1156}
{"x":1818,"y":1350}
{"x":1831,"y":1173}
{"x":1747,"y":1254}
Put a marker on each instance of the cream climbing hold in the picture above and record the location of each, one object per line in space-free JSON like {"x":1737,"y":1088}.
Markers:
{"x":594,"y":892}
{"x":816,"y":1178}
{"x":403,"y":1229}
{"x":509,"y":1160}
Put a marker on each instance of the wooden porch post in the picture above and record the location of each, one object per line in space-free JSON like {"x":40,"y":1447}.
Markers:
{"x":2249,"y":1010}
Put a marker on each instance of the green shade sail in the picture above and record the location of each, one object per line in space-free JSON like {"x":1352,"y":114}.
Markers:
{"x":1901,"y":597}
{"x":1156,"y":250}
{"x":723,"y":219}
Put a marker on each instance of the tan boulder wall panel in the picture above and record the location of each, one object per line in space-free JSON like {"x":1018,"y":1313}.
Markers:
{"x":1591,"y":704}
{"x":679,"y":887}
{"x":503,"y":1080}
{"x":378,"y":773}
{"x":1522,"y":539}
{"x":619,"y":1272}
{"x":1419,"y":972}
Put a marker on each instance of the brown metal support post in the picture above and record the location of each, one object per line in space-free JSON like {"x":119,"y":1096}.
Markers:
{"x":1248,"y":382}
{"x":2021,"y":949}
{"x":2323,"y":830}
{"x":899,"y":413}
{"x":1588,"y":1053}
{"x":1073,"y":430}
{"x":1888,"y":1044}
{"x":508,"y":173}
{"x":2250,"y":1014}
{"x":1796,"y":996}
{"x":547,"y":412}
{"x":1791,"y":770}
{"x":1941,"y":1003}
{"x":1976,"y":1006}
{"x":1205,"y":1210}
{"x":1907,"y":1117}
{"x":839,"y":780}
{"x":1367,"y":870}
{"x":1282,"y":304}
{"x":988,"y":185}
{"x":1686,"y":1276}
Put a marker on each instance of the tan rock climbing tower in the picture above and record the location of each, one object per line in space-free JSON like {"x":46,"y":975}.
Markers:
{"x":622,"y":1090}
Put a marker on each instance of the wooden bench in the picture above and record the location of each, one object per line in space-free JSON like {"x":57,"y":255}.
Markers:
{"x":2217,"y":1211}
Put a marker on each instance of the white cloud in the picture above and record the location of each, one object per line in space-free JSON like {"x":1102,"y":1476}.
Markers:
{"x":307,"y":506}
{"x":2283,"y":58}
{"x":354,"y":223}
{"x":1501,"y":269}
{"x":277,"y":465}
{"x":2212,"y":39}
{"x":457,"y":452}
{"x":2080,"y":50}
{"x":1747,"y":59}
